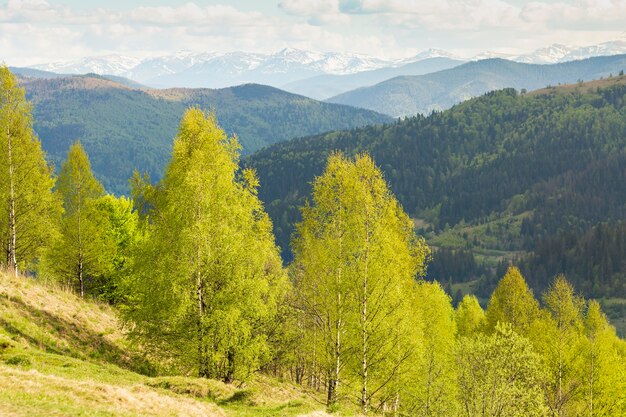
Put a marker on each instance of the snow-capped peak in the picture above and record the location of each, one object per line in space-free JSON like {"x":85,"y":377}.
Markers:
{"x":431,"y":53}
{"x":490,"y":55}
{"x":106,"y":64}
{"x":288,"y":64}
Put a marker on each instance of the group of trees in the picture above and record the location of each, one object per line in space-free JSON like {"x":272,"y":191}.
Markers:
{"x":192,"y":264}
{"x":66,"y":227}
{"x":370,"y":334}
{"x":556,"y":160}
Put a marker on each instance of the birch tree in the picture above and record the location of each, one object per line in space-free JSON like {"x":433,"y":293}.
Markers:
{"x":512,"y":302}
{"x":28,"y":209}
{"x":84,"y":250}
{"x":604,"y":378}
{"x":561,"y":344}
{"x":357,"y":256}
{"x":470,"y":317}
{"x":209,"y":278}
{"x":499,"y":375}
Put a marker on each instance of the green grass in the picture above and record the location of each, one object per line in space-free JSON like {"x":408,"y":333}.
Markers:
{"x":63,"y":356}
{"x":486,"y":240}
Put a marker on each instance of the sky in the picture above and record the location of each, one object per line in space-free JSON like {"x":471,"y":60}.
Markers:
{"x":41,"y":31}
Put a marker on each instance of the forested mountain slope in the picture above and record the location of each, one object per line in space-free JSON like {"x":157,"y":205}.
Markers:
{"x":410,"y":95}
{"x":123,"y":128}
{"x":503,"y":174}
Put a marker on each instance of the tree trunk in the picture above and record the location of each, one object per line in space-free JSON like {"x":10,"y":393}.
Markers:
{"x":230,"y":373}
{"x":12,"y":258}
{"x":333,"y":382}
{"x":396,"y":404}
{"x":364,"y":336}
{"x":203,"y":365}
{"x":81,"y":281}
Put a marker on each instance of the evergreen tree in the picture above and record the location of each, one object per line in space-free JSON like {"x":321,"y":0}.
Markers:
{"x":29,"y":211}
{"x":207,"y":281}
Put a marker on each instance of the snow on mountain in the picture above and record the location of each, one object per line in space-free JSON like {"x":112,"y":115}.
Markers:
{"x":562,"y":53}
{"x":548,"y":55}
{"x":218,"y":69}
{"x":490,"y":55}
{"x":171,"y":64}
{"x":607,"y":48}
{"x":108,"y":64}
{"x":328,"y":63}
{"x":430,"y":53}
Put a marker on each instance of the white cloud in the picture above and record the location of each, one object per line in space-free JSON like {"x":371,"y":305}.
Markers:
{"x":319,"y":12}
{"x":35,"y":31}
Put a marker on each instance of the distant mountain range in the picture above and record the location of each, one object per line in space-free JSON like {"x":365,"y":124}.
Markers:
{"x":328,"y":85}
{"x":216,"y":70}
{"x":409,"y":95}
{"x":123,"y":128}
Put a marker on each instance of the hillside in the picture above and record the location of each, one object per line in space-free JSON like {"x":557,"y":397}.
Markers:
{"x":410,"y":95}
{"x":328,"y":85}
{"x":63,"y":356}
{"x":501,"y":176}
{"x":123,"y":128}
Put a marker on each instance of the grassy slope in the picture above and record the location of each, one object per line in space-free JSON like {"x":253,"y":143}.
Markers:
{"x":62,"y":356}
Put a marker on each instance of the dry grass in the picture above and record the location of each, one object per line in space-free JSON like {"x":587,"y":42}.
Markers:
{"x":31,"y":393}
{"x":53,"y":320}
{"x":584,"y":87}
{"x":64,"y":356}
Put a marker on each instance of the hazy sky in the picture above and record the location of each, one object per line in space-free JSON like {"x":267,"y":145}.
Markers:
{"x":38,"y":31}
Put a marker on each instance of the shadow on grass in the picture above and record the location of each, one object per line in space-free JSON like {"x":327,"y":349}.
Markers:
{"x":80,"y":342}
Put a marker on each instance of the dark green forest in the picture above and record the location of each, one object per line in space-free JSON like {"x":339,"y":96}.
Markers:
{"x":124,"y":129}
{"x":534,"y":178}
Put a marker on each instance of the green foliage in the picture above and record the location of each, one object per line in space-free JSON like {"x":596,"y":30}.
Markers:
{"x":29,"y":210}
{"x":84,"y":249}
{"x":122,"y":229}
{"x":561,"y":344}
{"x":124,"y":129}
{"x":470,"y":317}
{"x":531,"y":173}
{"x":500,"y":375}
{"x":512,"y":302}
{"x":432,"y":388}
{"x":356,"y":257}
{"x":207,"y":281}
{"x":604,"y":381}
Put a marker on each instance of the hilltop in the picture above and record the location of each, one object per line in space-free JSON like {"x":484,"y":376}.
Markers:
{"x":409,"y":95}
{"x":61,"y":355}
{"x":125,"y":128}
